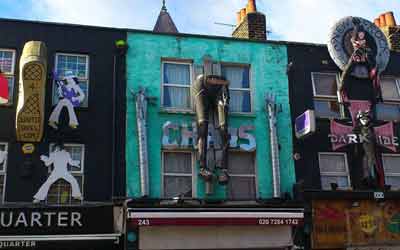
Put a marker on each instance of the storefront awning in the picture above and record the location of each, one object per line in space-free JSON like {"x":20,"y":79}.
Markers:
{"x":159,"y":218}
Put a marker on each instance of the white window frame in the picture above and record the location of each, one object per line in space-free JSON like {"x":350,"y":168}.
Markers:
{"x":4,"y":172}
{"x":392,"y":101}
{"x":86,"y":78}
{"x":250,"y":89}
{"x":383,"y":163}
{"x":191,"y":73}
{"x":80,"y":172}
{"x":347,"y":174}
{"x":193,"y":174}
{"x":255,"y":175}
{"x":10,"y":75}
{"x":330,"y":97}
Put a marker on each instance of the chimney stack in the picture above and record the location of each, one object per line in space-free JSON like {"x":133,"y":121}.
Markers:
{"x":252,"y":24}
{"x":387,"y":23}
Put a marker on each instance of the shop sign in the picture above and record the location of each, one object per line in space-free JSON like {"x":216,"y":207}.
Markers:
{"x":52,"y":221}
{"x":374,"y":248}
{"x":17,"y":244}
{"x":185,"y":136}
{"x":337,"y":224}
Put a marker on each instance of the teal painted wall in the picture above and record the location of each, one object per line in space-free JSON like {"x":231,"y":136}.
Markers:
{"x":267,"y":73}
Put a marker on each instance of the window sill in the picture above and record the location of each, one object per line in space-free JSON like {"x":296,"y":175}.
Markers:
{"x":191,"y":112}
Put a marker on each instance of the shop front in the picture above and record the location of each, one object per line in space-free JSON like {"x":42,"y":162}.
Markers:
{"x":81,"y":227}
{"x":206,"y":228}
{"x":356,"y":224}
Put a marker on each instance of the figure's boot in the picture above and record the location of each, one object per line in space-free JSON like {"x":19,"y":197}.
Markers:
{"x":30,"y":108}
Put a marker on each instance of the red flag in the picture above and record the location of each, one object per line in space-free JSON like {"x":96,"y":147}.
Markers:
{"x":3,"y":89}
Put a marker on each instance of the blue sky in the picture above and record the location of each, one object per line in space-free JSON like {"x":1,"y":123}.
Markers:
{"x":293,"y":20}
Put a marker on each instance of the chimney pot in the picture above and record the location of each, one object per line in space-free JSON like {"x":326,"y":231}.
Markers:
{"x":242,"y":14}
{"x":377,"y":22}
{"x":382,"y":20}
{"x":390,"y":20}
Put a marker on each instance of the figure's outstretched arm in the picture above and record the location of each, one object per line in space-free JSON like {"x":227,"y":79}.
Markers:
{"x":47,"y":160}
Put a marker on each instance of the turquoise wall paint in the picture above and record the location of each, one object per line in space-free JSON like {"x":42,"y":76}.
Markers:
{"x":268,"y":74}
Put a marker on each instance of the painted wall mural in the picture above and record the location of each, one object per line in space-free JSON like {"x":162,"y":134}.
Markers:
{"x":60,"y":159}
{"x":30,"y":108}
{"x":339,"y":224}
{"x":70,"y":96}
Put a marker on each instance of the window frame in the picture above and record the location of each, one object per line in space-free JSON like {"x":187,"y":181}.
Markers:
{"x":4,"y":172}
{"x":346,"y":174}
{"x":390,"y":174}
{"x":80,"y":173}
{"x":193,"y":174}
{"x":255,"y":175}
{"x":326,"y":98}
{"x":250,"y":89}
{"x":11,"y":75}
{"x":87,"y":75}
{"x":191,"y":76}
{"x":397,"y":82}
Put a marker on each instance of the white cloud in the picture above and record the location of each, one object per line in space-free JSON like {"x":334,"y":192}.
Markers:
{"x":294,"y":20}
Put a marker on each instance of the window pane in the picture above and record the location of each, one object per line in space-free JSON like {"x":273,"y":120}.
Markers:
{"x":177,"y":186}
{"x":332,"y":163}
{"x":387,"y":112}
{"x":341,"y":181}
{"x":10,"y":89}
{"x":2,"y":179}
{"x":325,"y":84}
{"x":241,"y":163}
{"x":391,"y":164}
{"x":242,"y":188}
{"x":238,"y":76}
{"x":2,"y":165}
{"x":178,"y":163}
{"x":389,"y":89}
{"x":61,"y":193}
{"x":75,"y":63}
{"x":394,"y":181}
{"x":239,"y":101}
{"x":326,"y":109}
{"x":176,"y":74}
{"x":6,"y":61}
{"x":176,"y":97}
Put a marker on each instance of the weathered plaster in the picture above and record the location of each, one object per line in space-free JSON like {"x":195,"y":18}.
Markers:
{"x":268,"y":74}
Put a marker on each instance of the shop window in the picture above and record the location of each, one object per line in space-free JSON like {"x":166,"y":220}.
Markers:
{"x":242,"y":182}
{"x":334,"y":170}
{"x":79,"y":66}
{"x":177,"y":174}
{"x":239,"y":86}
{"x":3,"y":169}
{"x":391,"y":165}
{"x":60,"y":192}
{"x":389,"y":110}
{"x":325,"y":95}
{"x":7,"y":67}
{"x":176,"y":81}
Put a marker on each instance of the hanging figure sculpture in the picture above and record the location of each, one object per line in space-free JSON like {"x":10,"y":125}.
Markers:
{"x":362,"y":56}
{"x":60,"y":158}
{"x":211,"y":95}
{"x":71,"y":96}
{"x":365,"y":128}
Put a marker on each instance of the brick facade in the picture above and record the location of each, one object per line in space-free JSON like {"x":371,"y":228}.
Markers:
{"x":252,"y":27}
{"x":393,"y":36}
